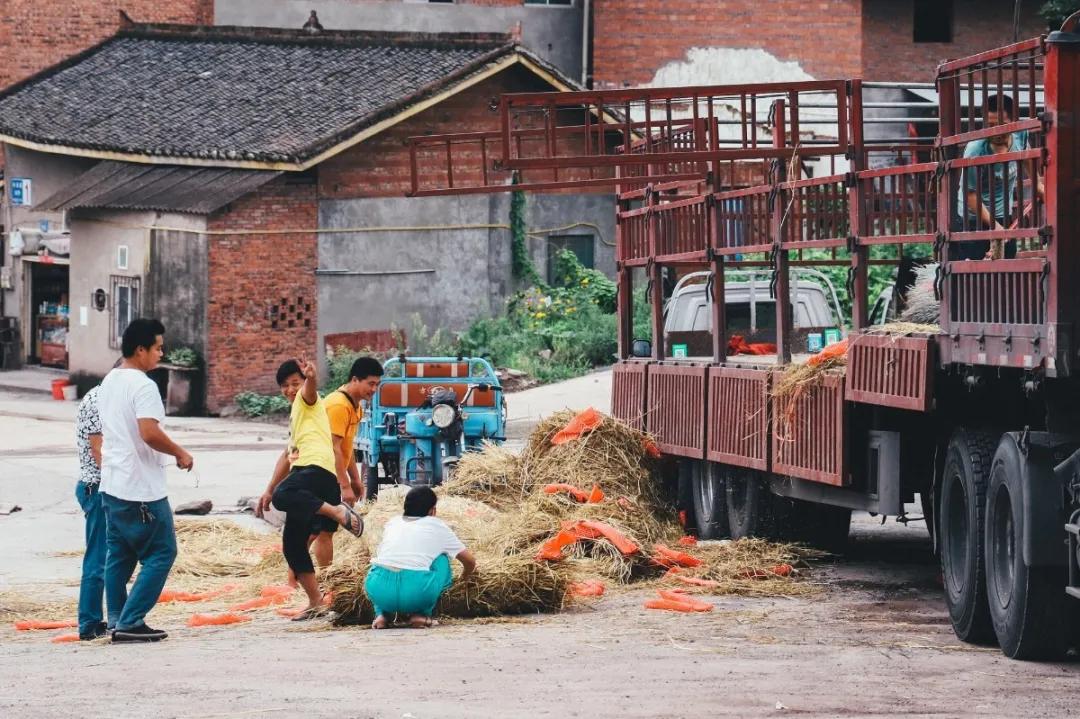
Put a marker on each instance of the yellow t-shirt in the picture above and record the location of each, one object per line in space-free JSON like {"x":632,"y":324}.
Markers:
{"x":344,"y":417}
{"x":309,"y":434}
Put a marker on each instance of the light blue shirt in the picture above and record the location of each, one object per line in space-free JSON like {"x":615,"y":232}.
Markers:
{"x":1004,"y":182}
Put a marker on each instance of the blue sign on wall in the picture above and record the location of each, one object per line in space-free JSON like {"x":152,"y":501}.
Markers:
{"x":20,"y":191}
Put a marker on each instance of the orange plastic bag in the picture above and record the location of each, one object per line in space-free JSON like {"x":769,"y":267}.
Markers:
{"x":672,"y":557}
{"x":551,"y":550}
{"x":693,"y":581}
{"x":836,"y":349}
{"x":596,"y":496}
{"x":64,"y":638}
{"x":698,"y":606}
{"x":276,"y":590}
{"x":259,"y":602}
{"x":216,"y":620}
{"x":738,"y":346}
{"x":650,"y":448}
{"x":669,"y":605}
{"x":591,"y":529}
{"x":688,"y":541}
{"x":780,"y":570}
{"x":583,"y":422}
{"x":578,"y":494}
{"x":588,"y":588}
{"x":32,"y":624}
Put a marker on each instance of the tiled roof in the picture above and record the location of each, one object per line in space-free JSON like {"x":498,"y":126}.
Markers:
{"x":236,"y":94}
{"x":131,"y":186}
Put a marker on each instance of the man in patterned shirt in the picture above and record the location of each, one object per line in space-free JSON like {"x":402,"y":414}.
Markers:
{"x":88,"y":439}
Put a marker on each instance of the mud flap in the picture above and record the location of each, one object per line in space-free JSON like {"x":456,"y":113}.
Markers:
{"x":1044,"y":494}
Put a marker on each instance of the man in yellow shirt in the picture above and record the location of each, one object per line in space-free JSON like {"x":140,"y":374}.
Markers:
{"x":344,"y":412}
{"x":313,"y":488}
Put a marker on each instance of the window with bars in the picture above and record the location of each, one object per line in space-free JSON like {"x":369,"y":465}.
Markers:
{"x":289,"y":313}
{"x":125,"y":306}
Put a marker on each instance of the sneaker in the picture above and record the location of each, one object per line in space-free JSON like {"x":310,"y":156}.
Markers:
{"x":99,"y":630}
{"x":141,"y":633}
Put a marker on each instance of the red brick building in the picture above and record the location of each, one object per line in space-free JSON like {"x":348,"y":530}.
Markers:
{"x":253,"y":182}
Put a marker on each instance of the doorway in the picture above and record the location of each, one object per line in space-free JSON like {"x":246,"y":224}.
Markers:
{"x":47,"y":312}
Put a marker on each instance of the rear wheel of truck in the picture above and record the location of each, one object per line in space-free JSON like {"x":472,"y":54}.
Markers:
{"x":708,"y":496}
{"x":751,"y":507}
{"x":962,"y":507}
{"x":1027,"y":604}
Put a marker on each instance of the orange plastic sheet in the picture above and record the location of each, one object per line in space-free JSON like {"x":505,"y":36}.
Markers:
{"x":591,"y":529}
{"x":216,"y":620}
{"x":668,"y":557}
{"x":588,"y":588}
{"x":24,"y":625}
{"x":585,"y":421}
{"x":579,"y":495}
{"x":551,"y":550}
{"x":738,"y":346}
{"x":277,"y":590}
{"x":651,"y":448}
{"x":780,"y":570}
{"x":836,"y":349}
{"x":688,"y":541}
{"x":259,"y":602}
{"x":692,"y":581}
{"x":64,"y":638}
{"x":673,"y":596}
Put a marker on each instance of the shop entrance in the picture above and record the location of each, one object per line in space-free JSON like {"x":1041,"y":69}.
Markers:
{"x":47,"y":312}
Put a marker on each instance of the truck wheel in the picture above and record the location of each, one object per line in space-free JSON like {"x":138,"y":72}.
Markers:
{"x":371,"y":481}
{"x":960,"y":520}
{"x":709,"y":498}
{"x":751,"y":507}
{"x":1027,"y":604}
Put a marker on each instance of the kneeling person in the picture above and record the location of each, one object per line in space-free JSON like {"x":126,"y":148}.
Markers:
{"x":313,"y":488}
{"x":411,"y":569}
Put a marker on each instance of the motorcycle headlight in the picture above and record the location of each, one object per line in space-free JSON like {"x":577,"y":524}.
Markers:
{"x":443,"y":415}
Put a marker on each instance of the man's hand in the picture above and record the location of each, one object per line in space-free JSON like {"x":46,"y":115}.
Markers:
{"x":263,"y":505}
{"x":309,"y":369}
{"x":348,"y":497}
{"x":184,"y":460}
{"x":358,"y":488}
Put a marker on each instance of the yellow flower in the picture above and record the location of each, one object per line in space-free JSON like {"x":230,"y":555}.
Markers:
{"x":570,"y":309}
{"x":540,"y":315}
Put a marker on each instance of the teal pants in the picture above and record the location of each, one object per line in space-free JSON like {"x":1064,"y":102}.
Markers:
{"x":408,"y":591}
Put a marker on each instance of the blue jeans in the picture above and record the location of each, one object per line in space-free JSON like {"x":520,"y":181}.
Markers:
{"x":408,"y":591}
{"x":136,"y":532}
{"x":92,"y":586}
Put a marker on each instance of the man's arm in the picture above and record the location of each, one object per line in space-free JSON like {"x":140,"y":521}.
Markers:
{"x":281,"y":471}
{"x":310,"y":390}
{"x":341,"y":465}
{"x":151,"y":432}
{"x":95,"y":448}
{"x":468,"y":563}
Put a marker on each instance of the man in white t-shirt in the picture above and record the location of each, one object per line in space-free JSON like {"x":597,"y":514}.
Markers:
{"x":134,"y":453}
{"x":411,"y":569}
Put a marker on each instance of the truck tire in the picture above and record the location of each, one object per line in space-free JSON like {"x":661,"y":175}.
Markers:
{"x":708,"y":496}
{"x":1027,"y":604}
{"x":751,"y":507}
{"x":962,"y":506}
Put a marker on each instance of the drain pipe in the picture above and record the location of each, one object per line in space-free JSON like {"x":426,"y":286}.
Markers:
{"x":585,"y":43}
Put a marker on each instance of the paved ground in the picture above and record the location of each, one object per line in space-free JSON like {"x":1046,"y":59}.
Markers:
{"x":876,"y":641}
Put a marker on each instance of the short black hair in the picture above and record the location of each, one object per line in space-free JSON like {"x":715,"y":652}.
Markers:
{"x":420,"y":500}
{"x":365,"y":367}
{"x":287,"y":370}
{"x":1000,"y":102}
{"x":141,"y":332}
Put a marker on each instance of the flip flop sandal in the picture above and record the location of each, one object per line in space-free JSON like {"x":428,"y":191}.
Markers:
{"x":309,"y":614}
{"x":351,"y":515}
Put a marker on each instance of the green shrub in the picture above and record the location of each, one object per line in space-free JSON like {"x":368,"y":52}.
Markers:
{"x":253,"y":404}
{"x":183,"y":357}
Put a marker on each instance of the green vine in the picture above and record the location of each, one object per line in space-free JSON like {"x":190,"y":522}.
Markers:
{"x":521,"y":263}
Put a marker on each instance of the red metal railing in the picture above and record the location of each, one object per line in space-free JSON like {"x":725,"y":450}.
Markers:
{"x":628,"y":393}
{"x":988,"y":296}
{"x":682,"y":230}
{"x":675,"y":411}
{"x":815,"y":213}
{"x":738,"y":418}
{"x":634,"y":248}
{"x":890,"y":371}
{"x":744,"y":221}
{"x":808,"y":434}
{"x":899,"y":204}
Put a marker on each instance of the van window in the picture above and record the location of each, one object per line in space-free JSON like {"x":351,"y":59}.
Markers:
{"x":738,"y":316}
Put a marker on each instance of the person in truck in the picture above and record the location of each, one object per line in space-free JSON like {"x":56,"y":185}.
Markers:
{"x":990,"y":198}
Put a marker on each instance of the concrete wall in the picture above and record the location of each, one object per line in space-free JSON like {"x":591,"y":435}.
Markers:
{"x":553,"y":32}
{"x":376,"y":280}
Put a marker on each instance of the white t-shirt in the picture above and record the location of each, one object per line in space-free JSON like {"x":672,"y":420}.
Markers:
{"x":130,"y":468}
{"x":416,"y":543}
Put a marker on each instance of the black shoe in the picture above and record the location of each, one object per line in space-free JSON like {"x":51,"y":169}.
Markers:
{"x":141,"y":633}
{"x":99,"y":630}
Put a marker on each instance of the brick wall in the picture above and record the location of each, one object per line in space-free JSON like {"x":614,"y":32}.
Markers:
{"x":35,"y":34}
{"x":633,"y":39}
{"x":261,"y":306}
{"x":889,"y":52}
{"x":380,"y":167}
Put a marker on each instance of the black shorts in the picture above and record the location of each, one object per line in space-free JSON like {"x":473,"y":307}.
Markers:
{"x":324,"y":485}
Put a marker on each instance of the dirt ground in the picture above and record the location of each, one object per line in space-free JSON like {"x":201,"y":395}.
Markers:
{"x":875,"y":640}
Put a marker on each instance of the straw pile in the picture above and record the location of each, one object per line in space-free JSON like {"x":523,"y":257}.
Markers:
{"x":920,"y":305}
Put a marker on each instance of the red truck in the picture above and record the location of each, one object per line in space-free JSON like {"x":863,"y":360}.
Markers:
{"x":979,"y":415}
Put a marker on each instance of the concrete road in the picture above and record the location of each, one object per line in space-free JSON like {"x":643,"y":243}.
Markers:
{"x":876,"y":640}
